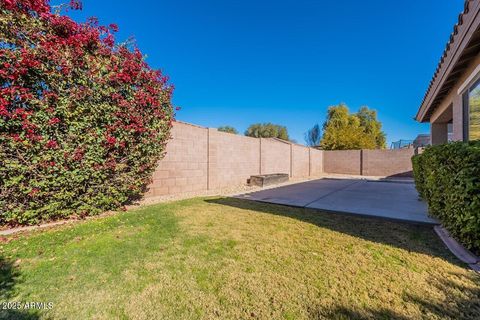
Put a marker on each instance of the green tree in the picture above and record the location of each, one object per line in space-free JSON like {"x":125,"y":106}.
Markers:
{"x":267,"y":130}
{"x":228,"y":129}
{"x":372,"y":127}
{"x":346,"y":131}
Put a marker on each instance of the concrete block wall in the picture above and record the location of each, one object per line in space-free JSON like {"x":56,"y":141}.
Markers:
{"x":316,"y":162}
{"x":342,"y":162}
{"x":387,"y":162}
{"x":300,"y":161}
{"x":275,"y":156}
{"x":232,"y":159}
{"x":369,"y":162}
{"x":200,"y":159}
{"x":184,"y":168}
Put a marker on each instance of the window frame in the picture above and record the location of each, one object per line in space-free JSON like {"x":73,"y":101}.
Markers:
{"x":466,"y":108}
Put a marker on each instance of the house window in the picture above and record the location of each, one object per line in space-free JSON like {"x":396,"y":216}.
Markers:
{"x":472,"y":112}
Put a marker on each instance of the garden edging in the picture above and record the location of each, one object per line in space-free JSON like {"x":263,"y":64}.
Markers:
{"x":457,"y":249}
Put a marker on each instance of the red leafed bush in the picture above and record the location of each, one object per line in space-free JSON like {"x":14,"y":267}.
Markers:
{"x":83,"y":122}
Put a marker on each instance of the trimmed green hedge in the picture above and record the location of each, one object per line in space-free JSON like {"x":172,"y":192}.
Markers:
{"x":448,"y":178}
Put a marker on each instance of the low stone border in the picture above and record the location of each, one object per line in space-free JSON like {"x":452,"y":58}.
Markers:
{"x":457,"y":249}
{"x":8,"y":232}
{"x":12,"y":231}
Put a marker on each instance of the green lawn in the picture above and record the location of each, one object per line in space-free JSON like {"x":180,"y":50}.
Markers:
{"x":223,"y":258}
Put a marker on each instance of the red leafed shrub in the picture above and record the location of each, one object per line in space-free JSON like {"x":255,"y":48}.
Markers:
{"x":83,"y":122}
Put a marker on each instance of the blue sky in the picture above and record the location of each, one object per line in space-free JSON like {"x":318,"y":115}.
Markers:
{"x":246,"y":61}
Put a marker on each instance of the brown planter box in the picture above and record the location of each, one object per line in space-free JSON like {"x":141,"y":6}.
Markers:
{"x":268,"y":179}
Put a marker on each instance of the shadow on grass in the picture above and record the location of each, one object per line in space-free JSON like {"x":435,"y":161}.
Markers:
{"x":9,"y":277}
{"x":411,"y":237}
{"x":459,"y":302}
{"x":343,"y":312}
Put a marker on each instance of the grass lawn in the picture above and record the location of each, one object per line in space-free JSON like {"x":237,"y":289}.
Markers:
{"x":233,"y":259}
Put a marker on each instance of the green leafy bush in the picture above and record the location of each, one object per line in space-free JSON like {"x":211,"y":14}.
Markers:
{"x":83,"y":122}
{"x":448,"y":178}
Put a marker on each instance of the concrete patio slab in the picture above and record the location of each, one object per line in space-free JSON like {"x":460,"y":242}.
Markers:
{"x":299,"y":194}
{"x":385,"y":199}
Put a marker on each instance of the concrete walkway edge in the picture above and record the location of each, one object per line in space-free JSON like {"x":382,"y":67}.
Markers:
{"x":457,"y":249}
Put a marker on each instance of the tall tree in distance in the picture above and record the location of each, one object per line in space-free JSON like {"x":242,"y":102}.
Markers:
{"x":341,"y":130}
{"x":346,"y":131}
{"x":372,"y":127}
{"x":228,"y":129}
{"x":267,"y":130}
{"x":313,"y":136}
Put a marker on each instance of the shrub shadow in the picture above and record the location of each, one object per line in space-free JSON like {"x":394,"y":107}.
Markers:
{"x":459,"y":302}
{"x":9,"y":277}
{"x":411,"y":237}
{"x":343,"y":312}
{"x":405,"y":174}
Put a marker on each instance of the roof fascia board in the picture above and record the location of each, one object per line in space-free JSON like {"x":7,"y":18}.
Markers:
{"x":464,"y":30}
